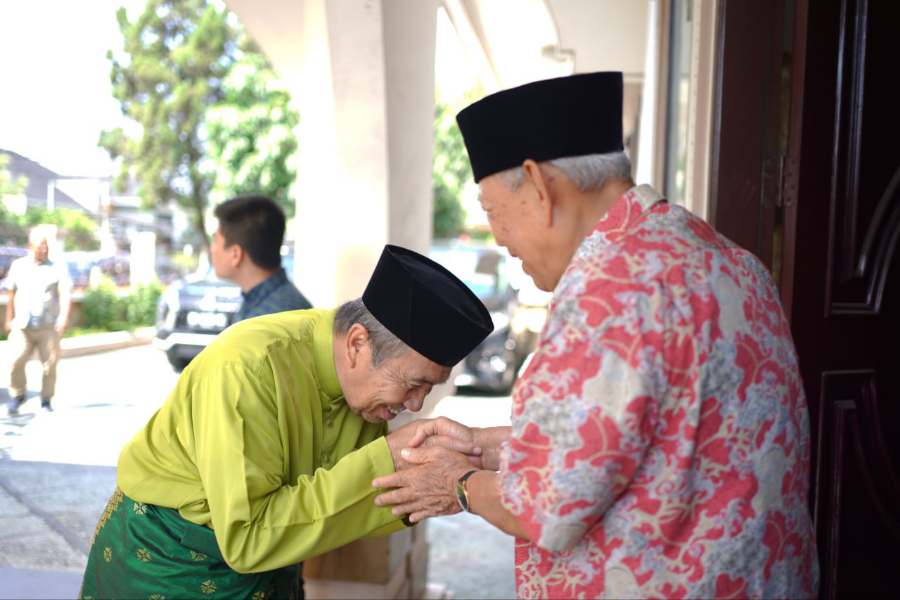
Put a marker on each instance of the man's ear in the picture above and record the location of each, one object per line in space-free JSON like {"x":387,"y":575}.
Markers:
{"x":236,"y":255}
{"x":541,"y":182}
{"x":356,"y":345}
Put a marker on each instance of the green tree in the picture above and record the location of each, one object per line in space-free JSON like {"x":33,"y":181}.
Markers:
{"x":251,"y":132}
{"x":450,"y":173}
{"x":176,"y":56}
{"x":77,"y":230}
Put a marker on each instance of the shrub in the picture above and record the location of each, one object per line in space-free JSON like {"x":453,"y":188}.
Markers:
{"x":102,"y":308}
{"x":140,"y":305}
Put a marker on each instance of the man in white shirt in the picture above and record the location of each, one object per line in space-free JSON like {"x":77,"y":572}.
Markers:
{"x":37,"y":312}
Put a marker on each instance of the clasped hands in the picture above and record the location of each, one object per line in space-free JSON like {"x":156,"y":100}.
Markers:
{"x":430,"y":455}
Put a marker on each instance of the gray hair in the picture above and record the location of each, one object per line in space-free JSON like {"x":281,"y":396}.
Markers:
{"x":587,"y":172}
{"x":383,"y":343}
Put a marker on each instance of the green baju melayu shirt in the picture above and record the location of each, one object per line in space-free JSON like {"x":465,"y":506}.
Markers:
{"x":257,"y":443}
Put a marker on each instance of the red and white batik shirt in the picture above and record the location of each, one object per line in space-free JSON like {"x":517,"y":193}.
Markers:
{"x":660,"y":435}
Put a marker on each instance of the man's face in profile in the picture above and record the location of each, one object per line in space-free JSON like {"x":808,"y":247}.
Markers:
{"x":396,"y":384}
{"x":220,"y":257}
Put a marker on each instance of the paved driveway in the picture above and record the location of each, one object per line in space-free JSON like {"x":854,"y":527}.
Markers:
{"x":58,"y":469}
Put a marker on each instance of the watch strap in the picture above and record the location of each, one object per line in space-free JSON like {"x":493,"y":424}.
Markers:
{"x":462,"y":493}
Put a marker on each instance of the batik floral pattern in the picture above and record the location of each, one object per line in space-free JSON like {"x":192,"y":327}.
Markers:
{"x":660,"y":436}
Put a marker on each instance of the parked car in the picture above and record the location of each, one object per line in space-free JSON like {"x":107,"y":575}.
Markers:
{"x":495,"y":278}
{"x":191,"y":312}
{"x":80,"y":264}
{"x":194,"y":309}
{"x":116,"y":267}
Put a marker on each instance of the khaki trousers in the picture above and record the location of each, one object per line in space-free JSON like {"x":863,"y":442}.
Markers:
{"x":22,"y":344}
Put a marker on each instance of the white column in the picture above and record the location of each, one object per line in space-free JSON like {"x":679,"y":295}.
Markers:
{"x":409,"y":39}
{"x":142,"y":258}
{"x":365,"y":93}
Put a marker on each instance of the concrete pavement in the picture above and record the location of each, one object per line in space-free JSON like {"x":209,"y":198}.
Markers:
{"x":57,"y":471}
{"x":48,"y":512}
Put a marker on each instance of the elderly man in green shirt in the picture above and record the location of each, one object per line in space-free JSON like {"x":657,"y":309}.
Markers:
{"x":264,"y":453}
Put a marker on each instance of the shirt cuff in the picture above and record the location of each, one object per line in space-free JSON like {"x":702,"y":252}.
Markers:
{"x":380,"y":457}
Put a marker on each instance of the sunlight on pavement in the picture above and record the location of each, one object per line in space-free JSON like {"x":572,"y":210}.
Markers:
{"x":102,"y":400}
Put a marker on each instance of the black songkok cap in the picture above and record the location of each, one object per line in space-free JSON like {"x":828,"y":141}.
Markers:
{"x":426,"y":306}
{"x":544,"y":120}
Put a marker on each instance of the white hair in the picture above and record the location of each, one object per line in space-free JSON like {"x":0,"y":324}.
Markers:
{"x":40,"y":233}
{"x":587,"y":172}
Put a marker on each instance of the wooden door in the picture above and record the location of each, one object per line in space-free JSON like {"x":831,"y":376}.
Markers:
{"x":841,"y":280}
{"x":806,"y":173}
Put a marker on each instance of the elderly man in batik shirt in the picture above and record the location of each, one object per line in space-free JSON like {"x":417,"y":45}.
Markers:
{"x":660,"y":439}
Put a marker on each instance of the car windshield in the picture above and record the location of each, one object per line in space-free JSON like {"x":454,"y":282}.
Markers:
{"x":476,"y":267}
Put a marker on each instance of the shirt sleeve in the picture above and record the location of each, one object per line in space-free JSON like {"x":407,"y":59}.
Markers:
{"x":12,"y":276}
{"x":262,"y":523}
{"x":583,"y":414}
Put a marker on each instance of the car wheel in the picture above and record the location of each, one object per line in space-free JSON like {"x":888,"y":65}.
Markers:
{"x":178,"y":363}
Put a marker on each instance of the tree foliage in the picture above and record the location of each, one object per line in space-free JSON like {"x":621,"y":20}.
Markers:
{"x":450,"y":173}
{"x":208,"y":119}
{"x":176,"y":55}
{"x":251,"y":132}
{"x":77,"y":230}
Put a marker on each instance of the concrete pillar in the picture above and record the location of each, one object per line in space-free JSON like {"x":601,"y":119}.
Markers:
{"x":142,"y":258}
{"x":365,"y":93}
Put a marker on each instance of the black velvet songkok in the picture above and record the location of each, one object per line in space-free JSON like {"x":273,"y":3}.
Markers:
{"x":426,"y":306}
{"x":544,"y":120}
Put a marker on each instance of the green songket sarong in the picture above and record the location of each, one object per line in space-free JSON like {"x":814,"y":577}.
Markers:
{"x":146,"y":551}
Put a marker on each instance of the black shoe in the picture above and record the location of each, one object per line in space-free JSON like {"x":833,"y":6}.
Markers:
{"x":14,"y":405}
{"x":45,"y":404}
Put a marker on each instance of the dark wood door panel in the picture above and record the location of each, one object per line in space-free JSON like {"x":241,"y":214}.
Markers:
{"x":837,"y":178}
{"x":842,"y":272}
{"x":865,"y":170}
{"x":857,"y":487}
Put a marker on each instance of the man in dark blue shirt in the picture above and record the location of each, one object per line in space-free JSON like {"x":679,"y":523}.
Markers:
{"x":246,"y":249}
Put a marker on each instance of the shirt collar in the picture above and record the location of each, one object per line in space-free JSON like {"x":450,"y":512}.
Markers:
{"x":323,"y":355}
{"x":620,"y":217}
{"x":266,"y":287}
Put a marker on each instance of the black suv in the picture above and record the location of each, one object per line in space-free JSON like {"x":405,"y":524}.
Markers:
{"x":191,"y":312}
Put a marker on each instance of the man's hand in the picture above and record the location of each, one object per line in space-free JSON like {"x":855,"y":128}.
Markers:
{"x":490,"y":440}
{"x":441,"y":432}
{"x":60,"y":329}
{"x":427,"y":487}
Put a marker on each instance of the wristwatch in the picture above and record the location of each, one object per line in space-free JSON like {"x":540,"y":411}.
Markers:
{"x":462,"y":493}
